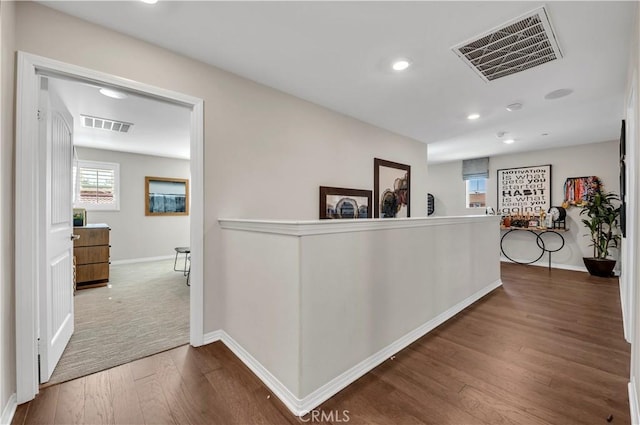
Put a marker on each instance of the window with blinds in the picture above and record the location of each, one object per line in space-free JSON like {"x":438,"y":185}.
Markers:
{"x":96,"y":185}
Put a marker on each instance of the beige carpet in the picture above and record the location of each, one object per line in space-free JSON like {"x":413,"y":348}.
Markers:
{"x":144,"y":310}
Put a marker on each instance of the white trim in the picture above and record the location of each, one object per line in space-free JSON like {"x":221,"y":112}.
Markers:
{"x":545,"y":263}
{"x":26,"y":240}
{"x":634,"y":409}
{"x":301,"y":407}
{"x":9,"y":410}
{"x":142,"y":260}
{"x":212,"y":337}
{"x":196,"y":234}
{"x":26,"y":203}
{"x":323,"y":227}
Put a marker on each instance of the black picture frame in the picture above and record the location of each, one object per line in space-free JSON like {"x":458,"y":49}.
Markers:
{"x":392,"y":189}
{"x":623,"y":202}
{"x":538,"y":193}
{"x":354,"y":200}
{"x":623,"y":141}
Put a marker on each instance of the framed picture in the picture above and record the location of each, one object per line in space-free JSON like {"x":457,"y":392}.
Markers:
{"x":578,"y":190}
{"x":341,"y":203}
{"x":623,"y":141}
{"x":524,"y":190}
{"x":166,"y":196}
{"x":79,"y":217}
{"x":392,"y":189}
{"x":623,"y":201}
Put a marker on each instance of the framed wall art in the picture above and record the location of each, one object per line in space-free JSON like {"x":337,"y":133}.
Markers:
{"x":524,"y":190}
{"x":392,"y":189}
{"x":166,"y":196}
{"x":623,"y":181}
{"x":578,"y":190}
{"x":341,"y":203}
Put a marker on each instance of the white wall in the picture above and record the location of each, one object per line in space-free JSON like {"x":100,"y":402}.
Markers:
{"x":599,"y":159}
{"x":133,"y":234}
{"x":630,"y":293}
{"x":266,"y":152}
{"x":7,"y":288}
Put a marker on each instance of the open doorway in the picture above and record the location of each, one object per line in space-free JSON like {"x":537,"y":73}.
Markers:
{"x":29,"y":175}
{"x":131,"y":174}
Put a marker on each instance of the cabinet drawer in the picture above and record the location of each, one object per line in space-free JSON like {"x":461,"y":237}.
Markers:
{"x":91,"y":237}
{"x":91,"y":272}
{"x":91,"y":254}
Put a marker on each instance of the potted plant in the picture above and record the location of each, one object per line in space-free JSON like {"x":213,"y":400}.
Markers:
{"x":602,"y":211}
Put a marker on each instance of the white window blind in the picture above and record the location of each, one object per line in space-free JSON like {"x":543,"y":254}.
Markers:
{"x":96,"y":185}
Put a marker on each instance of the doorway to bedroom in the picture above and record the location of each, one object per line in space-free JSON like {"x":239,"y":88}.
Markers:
{"x":131,"y":173}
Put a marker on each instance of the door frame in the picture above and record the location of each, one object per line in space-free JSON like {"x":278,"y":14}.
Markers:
{"x":28,"y":235}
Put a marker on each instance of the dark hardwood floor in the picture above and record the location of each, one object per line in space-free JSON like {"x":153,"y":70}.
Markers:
{"x":546,"y":348}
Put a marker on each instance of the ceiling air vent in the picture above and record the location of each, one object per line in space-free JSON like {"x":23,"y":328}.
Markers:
{"x":520,"y":44}
{"x":105,"y":124}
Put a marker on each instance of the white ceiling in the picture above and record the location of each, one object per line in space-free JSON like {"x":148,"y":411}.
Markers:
{"x":337,"y":54}
{"x":159,"y":128}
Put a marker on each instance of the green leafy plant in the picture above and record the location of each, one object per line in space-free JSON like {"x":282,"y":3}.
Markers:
{"x":602,"y":210}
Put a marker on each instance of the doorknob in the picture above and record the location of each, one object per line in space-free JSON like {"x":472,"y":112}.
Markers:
{"x":75,"y":237}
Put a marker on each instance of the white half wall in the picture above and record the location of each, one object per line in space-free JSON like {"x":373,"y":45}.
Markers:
{"x":133,"y":234}
{"x":599,"y":159}
{"x":314,"y":305}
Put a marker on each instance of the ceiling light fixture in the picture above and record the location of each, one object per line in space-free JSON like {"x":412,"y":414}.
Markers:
{"x":473,"y":116}
{"x":113,"y":93}
{"x":514,"y":107}
{"x":508,"y":141}
{"x":401,"y":65}
{"x":149,"y":1}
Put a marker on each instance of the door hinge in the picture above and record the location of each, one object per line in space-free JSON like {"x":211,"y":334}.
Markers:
{"x":39,"y":114}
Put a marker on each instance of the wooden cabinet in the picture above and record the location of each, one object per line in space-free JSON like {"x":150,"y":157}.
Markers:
{"x":92,"y":255}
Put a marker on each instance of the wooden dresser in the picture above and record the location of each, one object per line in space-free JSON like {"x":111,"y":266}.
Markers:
{"x":91,"y":251}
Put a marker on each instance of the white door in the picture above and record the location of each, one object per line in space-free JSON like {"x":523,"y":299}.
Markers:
{"x":56,"y":253}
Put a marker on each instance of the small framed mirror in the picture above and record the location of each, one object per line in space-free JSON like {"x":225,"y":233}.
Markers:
{"x":166,"y":196}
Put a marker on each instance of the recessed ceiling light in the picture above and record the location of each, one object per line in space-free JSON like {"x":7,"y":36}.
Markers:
{"x":473,"y":116}
{"x":149,"y":1}
{"x":557,"y":94}
{"x":514,"y":107}
{"x":401,"y":65}
{"x":113,"y":94}
{"x":508,"y":141}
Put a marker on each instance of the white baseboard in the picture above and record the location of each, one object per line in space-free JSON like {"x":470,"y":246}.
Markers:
{"x":142,"y":260}
{"x":9,"y":410}
{"x":210,"y":337}
{"x":545,"y":263}
{"x":301,"y":407}
{"x":633,"y":403}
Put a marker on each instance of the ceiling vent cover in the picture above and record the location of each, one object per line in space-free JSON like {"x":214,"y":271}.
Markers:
{"x":105,"y":124}
{"x":520,"y":44}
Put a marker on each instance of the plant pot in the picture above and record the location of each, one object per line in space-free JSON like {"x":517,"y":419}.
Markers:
{"x":599,"y":267}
